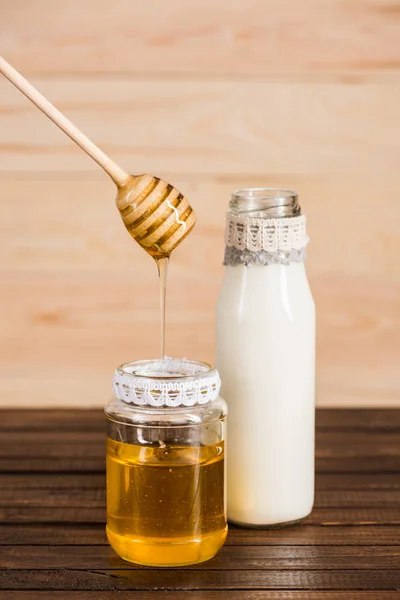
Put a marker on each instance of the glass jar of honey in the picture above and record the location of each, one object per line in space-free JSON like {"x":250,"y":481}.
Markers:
{"x":165,"y":463}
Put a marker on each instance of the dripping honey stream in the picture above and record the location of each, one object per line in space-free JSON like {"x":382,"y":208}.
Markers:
{"x":162,"y":267}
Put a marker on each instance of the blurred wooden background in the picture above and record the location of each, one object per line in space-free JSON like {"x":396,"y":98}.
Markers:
{"x":213,"y":96}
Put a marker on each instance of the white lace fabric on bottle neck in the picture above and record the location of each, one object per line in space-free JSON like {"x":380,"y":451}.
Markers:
{"x":179,"y":383}
{"x":265,"y":241}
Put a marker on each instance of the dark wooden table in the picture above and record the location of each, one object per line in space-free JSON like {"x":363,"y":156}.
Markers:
{"x":52,"y":509}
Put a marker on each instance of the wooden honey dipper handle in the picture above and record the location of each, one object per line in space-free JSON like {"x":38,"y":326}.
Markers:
{"x":118,"y":175}
{"x":155,"y":213}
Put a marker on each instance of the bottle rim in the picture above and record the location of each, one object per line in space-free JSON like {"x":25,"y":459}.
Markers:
{"x":265,"y":202}
{"x":167,"y":370}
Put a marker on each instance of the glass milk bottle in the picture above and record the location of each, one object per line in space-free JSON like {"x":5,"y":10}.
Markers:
{"x":165,"y":463}
{"x":266,"y":359}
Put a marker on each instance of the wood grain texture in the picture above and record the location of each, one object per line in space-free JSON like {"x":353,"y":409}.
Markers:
{"x":53,"y":543}
{"x":96,"y":498}
{"x":69,"y":330}
{"x":83,"y":514}
{"x":340,"y":420}
{"x":229,"y":558}
{"x":201,"y":595}
{"x":79,"y":498}
{"x":165,"y":579}
{"x":212,"y":97}
{"x":202,"y":37}
{"x":88,"y":444}
{"x":73,"y":225}
{"x":82,"y":464}
{"x":54,"y":482}
{"x":80,"y":279}
{"x":83,"y":534}
{"x":206,"y":127}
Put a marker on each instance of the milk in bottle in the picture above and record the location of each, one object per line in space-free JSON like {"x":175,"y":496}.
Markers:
{"x":265,"y":353}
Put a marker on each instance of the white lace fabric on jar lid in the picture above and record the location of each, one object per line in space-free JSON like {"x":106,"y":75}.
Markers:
{"x":166,"y":383}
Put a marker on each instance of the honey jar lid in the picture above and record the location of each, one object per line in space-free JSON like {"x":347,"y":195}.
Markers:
{"x":166,"y":383}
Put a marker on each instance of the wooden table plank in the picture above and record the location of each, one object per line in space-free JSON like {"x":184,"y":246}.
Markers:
{"x":93,"y":420}
{"x":84,"y":514}
{"x":59,"y":534}
{"x":94,"y":481}
{"x":85,"y":450}
{"x":361,"y":440}
{"x":91,"y":444}
{"x":344,"y":419}
{"x":83,"y":464}
{"x":355,"y":481}
{"x":167,"y":579}
{"x":239,"y":558}
{"x":39,"y":419}
{"x":90,"y":481}
{"x":52,"y":515}
{"x":196,"y":595}
{"x":96,"y":498}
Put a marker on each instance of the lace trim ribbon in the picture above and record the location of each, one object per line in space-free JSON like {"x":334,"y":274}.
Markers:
{"x":265,"y":241}
{"x":150,"y":392}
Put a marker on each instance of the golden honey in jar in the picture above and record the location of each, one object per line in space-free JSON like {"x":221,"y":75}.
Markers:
{"x":165,"y":463}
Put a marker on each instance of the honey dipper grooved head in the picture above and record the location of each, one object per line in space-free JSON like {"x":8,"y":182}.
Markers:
{"x":155,"y":213}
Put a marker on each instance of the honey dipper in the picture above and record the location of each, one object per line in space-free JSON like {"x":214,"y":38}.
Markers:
{"x":155,"y":213}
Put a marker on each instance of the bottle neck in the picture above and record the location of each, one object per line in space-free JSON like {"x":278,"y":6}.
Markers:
{"x":264,"y":203}
{"x":265,"y":226}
